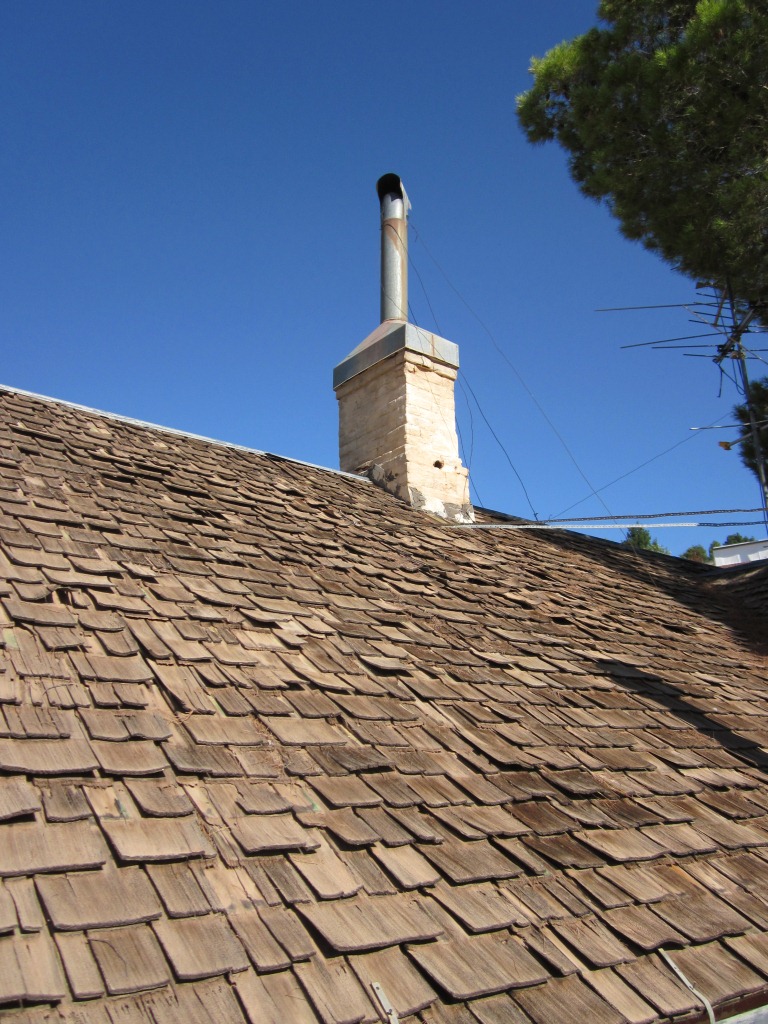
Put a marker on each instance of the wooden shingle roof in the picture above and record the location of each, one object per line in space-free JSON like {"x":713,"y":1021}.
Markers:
{"x":276,"y":748}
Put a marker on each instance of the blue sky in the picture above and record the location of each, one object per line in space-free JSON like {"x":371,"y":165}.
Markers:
{"x":189,"y":236}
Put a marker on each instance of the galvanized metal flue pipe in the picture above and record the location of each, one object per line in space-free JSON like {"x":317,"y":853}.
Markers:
{"x":394,"y":247}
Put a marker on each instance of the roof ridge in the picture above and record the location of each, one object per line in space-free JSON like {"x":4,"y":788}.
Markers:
{"x":117,"y":417}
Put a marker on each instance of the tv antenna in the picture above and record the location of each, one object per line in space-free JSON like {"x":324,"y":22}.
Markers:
{"x":742,"y":315}
{"x":728,"y":319}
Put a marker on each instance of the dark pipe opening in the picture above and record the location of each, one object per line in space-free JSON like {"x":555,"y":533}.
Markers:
{"x":387,"y":184}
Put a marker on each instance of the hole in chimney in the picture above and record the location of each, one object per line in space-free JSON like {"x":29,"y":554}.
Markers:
{"x":437,"y":464}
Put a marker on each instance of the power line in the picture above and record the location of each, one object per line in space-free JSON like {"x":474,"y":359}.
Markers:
{"x":655,"y":515}
{"x":683,"y":337}
{"x":754,"y":351}
{"x":642,"y":465}
{"x":423,"y":288}
{"x":504,"y":450}
{"x":666,"y":305}
{"x":462,"y":446}
{"x":578,"y":525}
{"x":412,"y":316}
{"x":516,"y":372}
{"x":467,"y":460}
{"x":460,"y":382}
{"x":731,"y":321}
{"x":461,"y":379}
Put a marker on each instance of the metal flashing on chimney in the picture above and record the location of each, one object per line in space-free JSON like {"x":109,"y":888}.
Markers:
{"x":390,"y":337}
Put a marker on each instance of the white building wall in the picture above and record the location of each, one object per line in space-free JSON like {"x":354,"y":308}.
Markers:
{"x":740,"y":554}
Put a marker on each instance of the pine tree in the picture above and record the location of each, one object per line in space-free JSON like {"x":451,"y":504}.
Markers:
{"x":664,"y":112}
{"x":639,"y":539}
{"x":758,"y":393}
{"x":696,"y":553}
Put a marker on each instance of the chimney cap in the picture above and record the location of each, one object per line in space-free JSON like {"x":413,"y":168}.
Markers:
{"x":389,"y":183}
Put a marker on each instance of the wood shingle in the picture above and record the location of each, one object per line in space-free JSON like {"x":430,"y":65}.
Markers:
{"x":272,"y":742}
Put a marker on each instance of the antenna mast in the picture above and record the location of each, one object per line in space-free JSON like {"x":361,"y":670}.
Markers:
{"x":733,"y":348}
{"x":742,"y":316}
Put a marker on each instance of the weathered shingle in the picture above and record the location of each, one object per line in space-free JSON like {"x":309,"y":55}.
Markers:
{"x":37,"y":846}
{"x":82,"y":900}
{"x":272,"y":743}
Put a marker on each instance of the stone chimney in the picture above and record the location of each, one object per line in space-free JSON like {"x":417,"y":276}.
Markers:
{"x":397,"y":416}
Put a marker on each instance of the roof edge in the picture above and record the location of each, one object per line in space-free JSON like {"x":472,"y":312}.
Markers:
{"x":175,"y":432}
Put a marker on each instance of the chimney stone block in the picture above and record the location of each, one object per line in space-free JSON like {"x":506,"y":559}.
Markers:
{"x":397,"y":423}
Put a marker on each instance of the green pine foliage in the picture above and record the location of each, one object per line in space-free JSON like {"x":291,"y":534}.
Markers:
{"x":664,"y":113}
{"x":696,"y":553}
{"x":640,"y":539}
{"x":758,"y":393}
